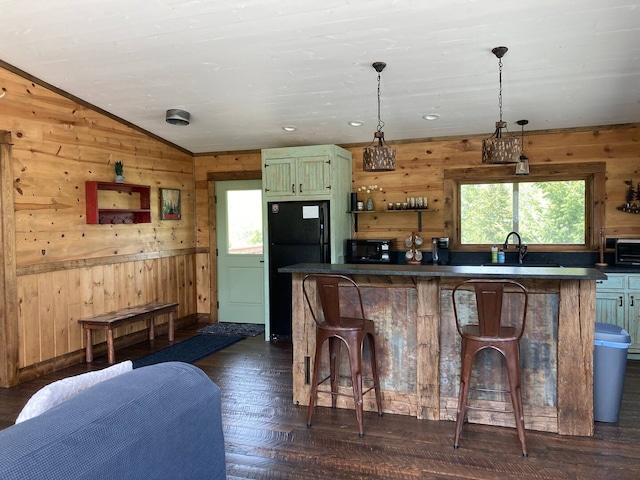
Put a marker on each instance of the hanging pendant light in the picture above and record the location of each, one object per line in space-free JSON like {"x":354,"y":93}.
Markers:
{"x":499,"y":149}
{"x":522,"y":167}
{"x":379,"y":158}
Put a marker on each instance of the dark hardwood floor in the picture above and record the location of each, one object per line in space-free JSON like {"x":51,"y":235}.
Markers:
{"x":266,"y":435}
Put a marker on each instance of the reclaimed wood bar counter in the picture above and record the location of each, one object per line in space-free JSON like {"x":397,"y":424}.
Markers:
{"x":419,"y":348}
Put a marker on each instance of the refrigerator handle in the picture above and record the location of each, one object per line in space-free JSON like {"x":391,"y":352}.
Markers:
{"x":322,"y":240}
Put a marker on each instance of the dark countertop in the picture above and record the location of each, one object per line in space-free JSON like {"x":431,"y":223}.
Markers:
{"x":619,"y":269}
{"x":553,"y":273}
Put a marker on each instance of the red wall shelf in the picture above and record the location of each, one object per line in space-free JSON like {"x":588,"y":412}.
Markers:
{"x":97,"y":215}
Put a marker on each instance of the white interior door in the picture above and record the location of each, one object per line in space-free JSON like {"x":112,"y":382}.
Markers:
{"x":240,"y":251}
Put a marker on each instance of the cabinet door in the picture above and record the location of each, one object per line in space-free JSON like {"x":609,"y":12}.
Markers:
{"x":610,"y":308}
{"x":279,"y":177}
{"x":633,"y":320}
{"x":313,"y":175}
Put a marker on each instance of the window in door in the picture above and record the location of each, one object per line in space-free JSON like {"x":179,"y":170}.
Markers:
{"x":244,"y":222}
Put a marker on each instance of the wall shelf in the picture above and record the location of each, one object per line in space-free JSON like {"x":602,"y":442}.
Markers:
{"x":98,"y":215}
{"x":419,"y":211}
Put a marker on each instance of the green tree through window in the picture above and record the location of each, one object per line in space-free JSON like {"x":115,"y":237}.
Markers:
{"x":550,"y":212}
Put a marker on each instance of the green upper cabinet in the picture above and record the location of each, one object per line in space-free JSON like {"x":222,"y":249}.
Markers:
{"x":279,"y":177}
{"x":299,"y":175}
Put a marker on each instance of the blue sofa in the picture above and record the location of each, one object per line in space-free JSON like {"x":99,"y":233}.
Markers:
{"x":157,"y":422}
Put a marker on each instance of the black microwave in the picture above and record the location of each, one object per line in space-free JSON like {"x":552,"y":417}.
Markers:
{"x":368,"y":251}
{"x":628,"y":252}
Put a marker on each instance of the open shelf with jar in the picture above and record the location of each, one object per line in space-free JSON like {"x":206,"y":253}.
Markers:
{"x":419,"y":211}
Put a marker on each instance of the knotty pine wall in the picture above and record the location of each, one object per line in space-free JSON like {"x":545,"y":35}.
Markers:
{"x":420,"y":167}
{"x":66,"y":269}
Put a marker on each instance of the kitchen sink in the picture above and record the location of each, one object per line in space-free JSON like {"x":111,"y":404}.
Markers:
{"x":525,"y":264}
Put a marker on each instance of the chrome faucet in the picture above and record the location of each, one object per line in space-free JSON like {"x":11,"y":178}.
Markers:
{"x":522,"y":249}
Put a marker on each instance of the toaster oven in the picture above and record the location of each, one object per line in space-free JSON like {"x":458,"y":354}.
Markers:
{"x":627,"y":252}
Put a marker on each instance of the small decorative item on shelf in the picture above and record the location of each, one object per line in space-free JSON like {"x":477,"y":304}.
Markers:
{"x":632,"y":204}
{"x":416,"y":203}
{"x":119,"y":172}
{"x":368,"y":204}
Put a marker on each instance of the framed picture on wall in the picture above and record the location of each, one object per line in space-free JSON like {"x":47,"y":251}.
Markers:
{"x":170,"y":204}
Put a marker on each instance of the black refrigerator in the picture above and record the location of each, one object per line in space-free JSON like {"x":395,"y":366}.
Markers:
{"x":298,"y":233}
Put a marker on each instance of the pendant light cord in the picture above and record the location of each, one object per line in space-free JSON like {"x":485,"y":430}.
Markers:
{"x":500,"y":94}
{"x":380,"y":122}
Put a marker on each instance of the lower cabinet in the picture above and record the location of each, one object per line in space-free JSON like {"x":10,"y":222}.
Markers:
{"x":618,"y":303}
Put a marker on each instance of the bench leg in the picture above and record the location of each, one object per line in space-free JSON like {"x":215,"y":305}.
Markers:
{"x":171,"y":326}
{"x":110,"y":348}
{"x":88,"y":346}
{"x":152,"y":333}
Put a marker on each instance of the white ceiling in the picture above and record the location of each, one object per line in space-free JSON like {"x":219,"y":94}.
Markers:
{"x":245,"y":68}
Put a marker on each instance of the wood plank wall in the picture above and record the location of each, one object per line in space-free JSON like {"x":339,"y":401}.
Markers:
{"x":420,"y":167}
{"x":65,"y":268}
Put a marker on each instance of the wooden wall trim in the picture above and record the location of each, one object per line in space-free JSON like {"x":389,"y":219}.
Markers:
{"x":458,"y":138}
{"x":244,"y":175}
{"x":480,"y":172}
{"x":111,"y":260}
{"x":213,"y":177}
{"x":9,"y":355}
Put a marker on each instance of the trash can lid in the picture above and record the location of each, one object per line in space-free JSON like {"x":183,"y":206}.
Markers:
{"x":611,"y":333}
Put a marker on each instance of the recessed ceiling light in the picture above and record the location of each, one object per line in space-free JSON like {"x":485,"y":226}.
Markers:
{"x":355,"y":123}
{"x":290,"y":128}
{"x":431,"y":116}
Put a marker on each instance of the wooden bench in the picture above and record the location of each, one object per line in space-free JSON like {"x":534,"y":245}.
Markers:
{"x":110,"y":320}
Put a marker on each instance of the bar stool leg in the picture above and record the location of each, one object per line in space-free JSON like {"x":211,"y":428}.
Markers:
{"x":374,"y":372}
{"x":334,"y":366}
{"x":468,"y":355}
{"x":512,"y":360}
{"x":355,"y":360}
{"x":314,"y":381}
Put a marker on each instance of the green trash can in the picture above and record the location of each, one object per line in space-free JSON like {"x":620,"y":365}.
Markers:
{"x":609,"y":368}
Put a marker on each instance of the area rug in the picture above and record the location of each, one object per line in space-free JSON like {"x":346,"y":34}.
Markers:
{"x":230,"y":328}
{"x":189,"y":351}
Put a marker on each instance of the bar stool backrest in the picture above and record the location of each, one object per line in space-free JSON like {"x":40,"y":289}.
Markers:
{"x":489,"y":295}
{"x":328,"y":287}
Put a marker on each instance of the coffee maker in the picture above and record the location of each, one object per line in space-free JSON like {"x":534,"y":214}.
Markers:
{"x":440,"y":250}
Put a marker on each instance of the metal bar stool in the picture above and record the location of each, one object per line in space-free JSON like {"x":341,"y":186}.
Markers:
{"x":491,"y":332}
{"x":338,"y":329}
